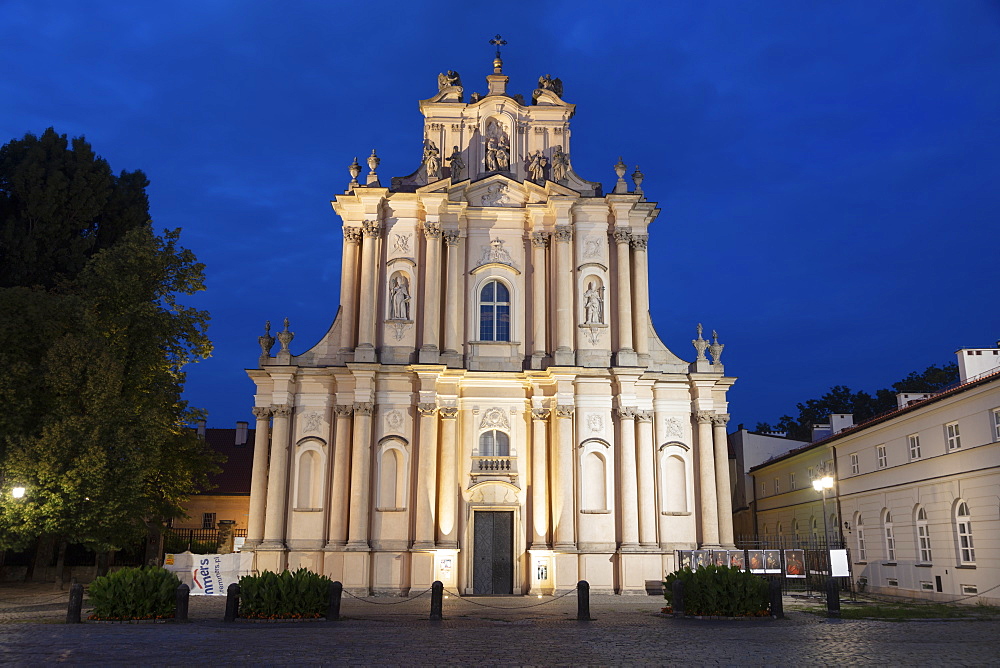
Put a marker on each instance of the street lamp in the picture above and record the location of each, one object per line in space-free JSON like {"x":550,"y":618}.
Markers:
{"x":17,"y":492}
{"x":822,"y":485}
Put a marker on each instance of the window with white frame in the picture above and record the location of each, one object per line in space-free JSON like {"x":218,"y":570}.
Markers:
{"x":494,"y":312}
{"x":494,"y":443}
{"x":954,"y":438}
{"x":208,"y":521}
{"x":811,"y":473}
{"x":791,"y":480}
{"x":923,"y":537}
{"x":855,"y":465}
{"x":883,"y":459}
{"x":777,"y":487}
{"x":913,"y":441}
{"x":996,"y":424}
{"x":763,"y":488}
{"x":859,"y":526}
{"x":890,"y":539}
{"x":963,"y":530}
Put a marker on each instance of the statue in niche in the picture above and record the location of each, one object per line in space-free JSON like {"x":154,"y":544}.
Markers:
{"x":536,"y":166}
{"x":399,"y":298}
{"x":546,"y":82}
{"x":560,"y":164}
{"x":457,"y":164}
{"x":432,"y":160}
{"x":449,"y":79}
{"x":593,"y":304}
{"x":497,"y":148}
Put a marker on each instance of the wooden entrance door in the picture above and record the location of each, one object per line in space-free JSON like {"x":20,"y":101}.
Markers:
{"x":493,"y":555}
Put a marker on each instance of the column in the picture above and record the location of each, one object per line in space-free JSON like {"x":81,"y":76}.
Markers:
{"x":258,"y":479}
{"x":629,"y":499}
{"x":539,"y":478}
{"x":539,"y":289}
{"x":564,"y":297}
{"x":431,"y":312}
{"x":455,"y":292}
{"x":706,"y":475}
{"x":647,"y":479}
{"x":349,"y":289}
{"x":626,"y":354}
{"x":448,"y":492}
{"x":641,"y":281}
{"x":340,"y":495}
{"x":365,"y":351}
{"x":724,"y":492}
{"x":357,"y":528}
{"x":563,"y":499}
{"x":426,"y":477}
{"x":277,"y":481}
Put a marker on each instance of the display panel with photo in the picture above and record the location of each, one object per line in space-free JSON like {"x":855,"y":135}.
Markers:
{"x":772,"y":561}
{"x":755,"y":561}
{"x":737,"y":559}
{"x":684,"y":559}
{"x":795,"y":564}
{"x":720,"y":557}
{"x":701,"y":558}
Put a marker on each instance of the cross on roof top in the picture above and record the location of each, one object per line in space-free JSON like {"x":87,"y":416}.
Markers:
{"x":498,"y":41}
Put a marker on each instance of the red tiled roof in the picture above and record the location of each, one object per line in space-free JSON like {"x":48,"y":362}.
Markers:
{"x":234,"y":479}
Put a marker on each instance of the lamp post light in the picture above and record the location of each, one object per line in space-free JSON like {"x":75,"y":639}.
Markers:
{"x":822,"y":485}
{"x":17,"y":492}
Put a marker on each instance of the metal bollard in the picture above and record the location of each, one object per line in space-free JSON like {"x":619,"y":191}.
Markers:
{"x":75,"y":604}
{"x":583,"y":601}
{"x":437,"y":594}
{"x":832,"y":598}
{"x":232,"y":603}
{"x":181,"y":603}
{"x":333,"y":606}
{"x":677,"y":589}
{"x":777,"y":605}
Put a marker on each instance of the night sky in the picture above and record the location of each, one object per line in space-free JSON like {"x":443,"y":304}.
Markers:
{"x":828,"y":173}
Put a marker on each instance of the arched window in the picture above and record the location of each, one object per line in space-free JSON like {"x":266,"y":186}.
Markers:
{"x":494,"y":443}
{"x":494,"y":312}
{"x":815,"y":529}
{"x":890,"y":539}
{"x":859,"y":525}
{"x":392,"y":466}
{"x":310,"y":480}
{"x":963,"y":531}
{"x":923,"y":536}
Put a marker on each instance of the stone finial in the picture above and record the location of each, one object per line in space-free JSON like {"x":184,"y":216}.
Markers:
{"x":267,"y":341}
{"x":354,"y":170}
{"x":637,"y":178}
{"x":700,"y":345}
{"x":373,"y":161}
{"x":285,"y":337}
{"x":715,"y":350}
{"x":620,"y":169}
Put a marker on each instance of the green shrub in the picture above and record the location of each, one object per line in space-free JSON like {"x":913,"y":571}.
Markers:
{"x":134,"y":593}
{"x":302,"y":594}
{"x":719,"y":590}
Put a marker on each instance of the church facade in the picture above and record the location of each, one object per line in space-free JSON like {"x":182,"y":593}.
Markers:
{"x":491,"y":407}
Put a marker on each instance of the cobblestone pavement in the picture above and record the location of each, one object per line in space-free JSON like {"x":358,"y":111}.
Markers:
{"x":625,"y":631}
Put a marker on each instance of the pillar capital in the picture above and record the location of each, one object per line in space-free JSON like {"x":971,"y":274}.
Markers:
{"x":622,"y":235}
{"x":282,"y":411}
{"x":644,"y":416}
{"x":427,"y":409}
{"x":365,"y":408}
{"x":564,"y":234}
{"x":628,"y":412}
{"x":448,"y":412}
{"x":262,"y":412}
{"x":343,"y":410}
{"x":352,"y":235}
{"x":640,"y":241}
{"x":565,"y":411}
{"x":703,"y":417}
{"x":432,"y":230}
{"x":451,"y":238}
{"x":540,"y":413}
{"x":540,"y":239}
{"x":720,"y":419}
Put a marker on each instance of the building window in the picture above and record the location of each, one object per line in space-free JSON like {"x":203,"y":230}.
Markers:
{"x":883,"y":459}
{"x":494,"y":443}
{"x":208,"y":521}
{"x":970,"y":589}
{"x":890,"y":539}
{"x":892,"y":582}
{"x":494,"y":312}
{"x":914,"y":442}
{"x":763,"y":488}
{"x":963,"y":529}
{"x":855,"y":466}
{"x":811,"y":473}
{"x":926,"y":586}
{"x":923,"y":537}
{"x":815,"y":529}
{"x":862,"y":552}
{"x":776,"y":486}
{"x":791,"y":480}
{"x":954,"y":438}
{"x":996,"y":424}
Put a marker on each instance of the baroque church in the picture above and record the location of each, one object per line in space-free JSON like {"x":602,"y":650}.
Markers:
{"x":491,"y":407}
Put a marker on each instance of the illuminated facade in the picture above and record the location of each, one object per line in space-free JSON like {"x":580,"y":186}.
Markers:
{"x":491,"y":407}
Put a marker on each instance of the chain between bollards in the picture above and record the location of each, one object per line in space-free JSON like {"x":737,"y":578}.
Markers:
{"x":181,"y":595}
{"x":333,"y":606}
{"x":437,"y":594}
{"x":583,"y":601}
{"x":232,"y":603}
{"x":75,"y":609}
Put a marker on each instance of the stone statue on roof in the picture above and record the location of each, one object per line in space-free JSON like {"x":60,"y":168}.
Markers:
{"x":546,"y":82}
{"x":449,"y":79}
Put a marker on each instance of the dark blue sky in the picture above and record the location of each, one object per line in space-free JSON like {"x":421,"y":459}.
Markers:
{"x":828,"y":173}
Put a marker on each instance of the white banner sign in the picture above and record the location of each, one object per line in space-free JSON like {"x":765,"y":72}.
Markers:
{"x":838,"y":564}
{"x":208,"y":574}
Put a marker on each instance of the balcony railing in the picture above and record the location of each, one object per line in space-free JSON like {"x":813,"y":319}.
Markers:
{"x":494,"y":467}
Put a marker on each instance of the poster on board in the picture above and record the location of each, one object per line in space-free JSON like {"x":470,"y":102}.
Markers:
{"x":772,"y":561}
{"x":755,"y":561}
{"x":795,"y":565}
{"x":737,"y":559}
{"x":700,"y":558}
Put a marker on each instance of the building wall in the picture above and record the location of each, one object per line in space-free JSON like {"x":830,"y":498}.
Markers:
{"x":225,"y":508}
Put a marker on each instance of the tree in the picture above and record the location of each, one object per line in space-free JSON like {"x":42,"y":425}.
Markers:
{"x":91,"y":372}
{"x":863,"y":406}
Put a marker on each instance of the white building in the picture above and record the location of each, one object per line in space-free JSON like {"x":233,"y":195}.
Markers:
{"x":491,"y":407}
{"x":916,"y":491}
